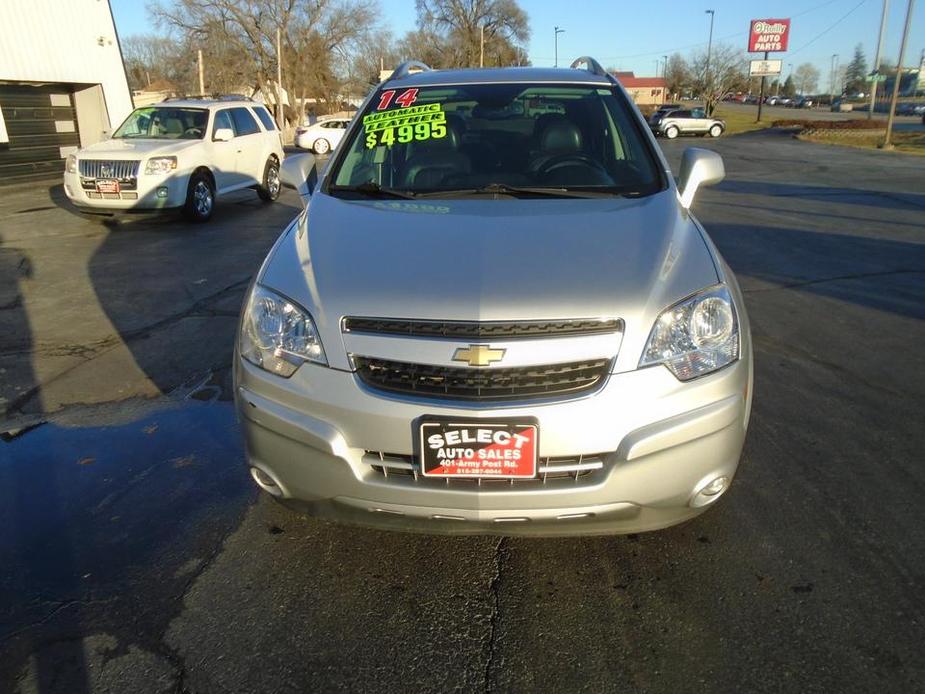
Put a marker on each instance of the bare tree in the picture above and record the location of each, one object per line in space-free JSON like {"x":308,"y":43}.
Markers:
{"x":319,"y":38}
{"x":150,"y":58}
{"x":726,"y":73}
{"x":456,"y":29}
{"x":677,"y":75}
{"x":806,"y":78}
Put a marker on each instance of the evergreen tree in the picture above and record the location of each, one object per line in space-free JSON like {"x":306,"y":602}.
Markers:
{"x":856,"y":72}
{"x":788,"y":89}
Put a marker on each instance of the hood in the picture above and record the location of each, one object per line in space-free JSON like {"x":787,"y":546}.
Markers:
{"x":135,"y":149}
{"x":491,"y":259}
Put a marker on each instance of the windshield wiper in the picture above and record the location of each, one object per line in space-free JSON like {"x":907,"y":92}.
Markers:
{"x":373,"y":189}
{"x":504,"y":189}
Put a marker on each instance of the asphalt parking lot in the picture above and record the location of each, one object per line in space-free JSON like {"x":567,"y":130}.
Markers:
{"x":137,"y":557}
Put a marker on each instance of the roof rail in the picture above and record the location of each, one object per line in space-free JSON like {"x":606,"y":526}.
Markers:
{"x":209,"y":97}
{"x":406,"y":67}
{"x":591,"y":64}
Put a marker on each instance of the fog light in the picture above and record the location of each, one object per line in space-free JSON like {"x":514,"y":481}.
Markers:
{"x":266,"y":482}
{"x":715,"y":487}
{"x":710,"y":491}
{"x":162,"y":192}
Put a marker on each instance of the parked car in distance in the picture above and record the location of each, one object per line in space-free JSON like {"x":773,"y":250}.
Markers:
{"x":565,"y":353}
{"x":694,"y":121}
{"x":179,"y":154}
{"x":323,"y":136}
{"x":803,"y":102}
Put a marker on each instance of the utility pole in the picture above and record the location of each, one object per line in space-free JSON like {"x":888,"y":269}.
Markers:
{"x":899,"y":74}
{"x":279,"y":78}
{"x":202,"y":82}
{"x":706,"y":72}
{"x":482,"y":45}
{"x":833,"y":76}
{"x":876,"y":71}
{"x":558,"y":31}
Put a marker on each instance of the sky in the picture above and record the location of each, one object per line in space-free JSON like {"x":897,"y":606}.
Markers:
{"x":635,"y":34}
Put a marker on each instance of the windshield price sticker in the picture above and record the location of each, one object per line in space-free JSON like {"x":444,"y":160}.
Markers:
{"x":403,"y":125}
{"x":467,"y":449}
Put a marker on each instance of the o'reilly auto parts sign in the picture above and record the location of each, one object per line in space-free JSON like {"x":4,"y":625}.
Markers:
{"x":768,"y":35}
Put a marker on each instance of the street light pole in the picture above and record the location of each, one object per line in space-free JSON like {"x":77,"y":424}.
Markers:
{"x":899,"y":76}
{"x":833,"y":75}
{"x":558,"y":31}
{"x":876,"y":71}
{"x":706,"y":72}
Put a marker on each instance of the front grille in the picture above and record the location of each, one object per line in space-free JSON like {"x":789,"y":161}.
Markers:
{"x":574,"y":467}
{"x":466,"y":330}
{"x":473,"y":383}
{"x":121,"y":169}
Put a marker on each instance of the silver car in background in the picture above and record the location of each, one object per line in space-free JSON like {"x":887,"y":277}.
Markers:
{"x":685,"y":121}
{"x":496,"y":314}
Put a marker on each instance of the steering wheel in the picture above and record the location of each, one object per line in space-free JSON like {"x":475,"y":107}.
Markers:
{"x":195,"y":132}
{"x":560,"y":161}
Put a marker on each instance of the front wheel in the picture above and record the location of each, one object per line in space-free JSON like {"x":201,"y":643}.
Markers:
{"x":268,"y":190}
{"x":716,"y":131}
{"x":321,"y":146}
{"x":200,"y":198}
{"x":672,"y":132}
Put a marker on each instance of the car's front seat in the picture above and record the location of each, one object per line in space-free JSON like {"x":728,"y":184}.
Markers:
{"x":431,"y":161}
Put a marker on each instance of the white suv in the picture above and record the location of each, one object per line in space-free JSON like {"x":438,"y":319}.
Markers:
{"x":179,"y":154}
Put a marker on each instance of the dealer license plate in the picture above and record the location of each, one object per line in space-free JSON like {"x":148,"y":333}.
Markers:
{"x":107,"y":185}
{"x":479,"y":448}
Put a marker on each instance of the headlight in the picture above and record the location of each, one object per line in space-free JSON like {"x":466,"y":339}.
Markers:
{"x":695,"y":336}
{"x":161,"y":165}
{"x":277,"y":335}
{"x":71,"y":164}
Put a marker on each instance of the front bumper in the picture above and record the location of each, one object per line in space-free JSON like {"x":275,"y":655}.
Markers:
{"x":146,"y":196}
{"x":318,"y":434}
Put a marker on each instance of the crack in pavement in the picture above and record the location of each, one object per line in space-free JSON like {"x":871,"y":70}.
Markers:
{"x":60,"y":608}
{"x":824,"y":280}
{"x":501,"y":552}
{"x":198,"y":308}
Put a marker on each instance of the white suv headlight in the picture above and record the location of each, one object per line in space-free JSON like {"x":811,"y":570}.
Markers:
{"x":160,"y":165}
{"x":277,"y":335}
{"x":71,"y":165}
{"x":696,"y":336}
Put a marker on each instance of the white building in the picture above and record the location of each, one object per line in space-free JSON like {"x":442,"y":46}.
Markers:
{"x":62,"y":82}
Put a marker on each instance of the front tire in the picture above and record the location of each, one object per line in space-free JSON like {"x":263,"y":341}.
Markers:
{"x":321,"y":146}
{"x":269,"y":189}
{"x":200,"y":198}
{"x":716,"y":130}
{"x":671,"y":132}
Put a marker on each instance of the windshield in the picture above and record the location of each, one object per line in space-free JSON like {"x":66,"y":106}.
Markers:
{"x":545,"y":138}
{"x":165,"y":123}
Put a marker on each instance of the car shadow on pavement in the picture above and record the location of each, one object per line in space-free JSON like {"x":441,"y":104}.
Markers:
{"x":893,"y":200}
{"x":839,"y":266}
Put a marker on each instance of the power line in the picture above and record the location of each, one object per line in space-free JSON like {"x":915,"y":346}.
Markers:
{"x":737,"y":34}
{"x":826,"y":31}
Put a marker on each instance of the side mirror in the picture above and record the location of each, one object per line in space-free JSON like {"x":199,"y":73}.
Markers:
{"x":299,"y":171}
{"x":699,"y":167}
{"x":223,"y":135}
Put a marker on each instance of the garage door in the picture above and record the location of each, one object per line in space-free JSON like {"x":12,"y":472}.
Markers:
{"x":41,"y":129}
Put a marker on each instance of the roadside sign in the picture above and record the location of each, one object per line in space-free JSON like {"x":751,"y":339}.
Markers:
{"x":875,"y":78}
{"x":765,"y":68}
{"x":768,"y":35}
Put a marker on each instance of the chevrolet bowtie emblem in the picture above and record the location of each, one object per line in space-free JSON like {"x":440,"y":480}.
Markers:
{"x":478,"y":355}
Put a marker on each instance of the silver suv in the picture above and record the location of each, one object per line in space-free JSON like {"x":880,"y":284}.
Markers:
{"x":684,"y":121}
{"x":496,"y":314}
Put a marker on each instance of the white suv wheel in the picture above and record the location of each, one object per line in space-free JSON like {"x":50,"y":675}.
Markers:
{"x":321,"y":146}
{"x":671,"y":132}
{"x":716,"y":131}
